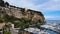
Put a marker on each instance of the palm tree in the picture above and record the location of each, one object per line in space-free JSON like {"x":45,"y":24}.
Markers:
{"x":4,"y":29}
{"x":8,"y":26}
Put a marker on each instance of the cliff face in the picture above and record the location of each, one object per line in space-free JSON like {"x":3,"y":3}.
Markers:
{"x":27,"y":14}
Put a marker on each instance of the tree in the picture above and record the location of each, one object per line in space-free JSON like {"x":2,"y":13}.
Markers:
{"x":7,"y":27}
{"x":2,"y":3}
{"x":7,"y":32}
{"x":7,"y":3}
{"x":1,"y":20}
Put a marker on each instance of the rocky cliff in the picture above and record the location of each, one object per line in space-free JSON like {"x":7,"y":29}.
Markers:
{"x":26,"y":14}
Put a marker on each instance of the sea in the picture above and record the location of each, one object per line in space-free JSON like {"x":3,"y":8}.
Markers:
{"x":52,"y":21}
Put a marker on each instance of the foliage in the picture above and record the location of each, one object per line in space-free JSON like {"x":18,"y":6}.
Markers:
{"x":7,"y":32}
{"x":2,"y":20}
{"x":23,"y":23}
{"x":1,"y":3}
{"x":7,"y":3}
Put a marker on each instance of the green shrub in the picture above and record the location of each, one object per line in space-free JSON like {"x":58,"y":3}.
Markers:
{"x":7,"y":32}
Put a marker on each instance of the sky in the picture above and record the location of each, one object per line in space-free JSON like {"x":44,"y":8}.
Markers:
{"x":50,"y":8}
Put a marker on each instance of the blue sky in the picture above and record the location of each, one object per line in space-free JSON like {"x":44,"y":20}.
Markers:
{"x":50,"y":8}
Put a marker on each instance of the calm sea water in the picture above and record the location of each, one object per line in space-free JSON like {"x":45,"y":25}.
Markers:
{"x":51,"y":21}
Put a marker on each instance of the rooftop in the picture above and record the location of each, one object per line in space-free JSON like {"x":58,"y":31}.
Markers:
{"x":2,"y":25}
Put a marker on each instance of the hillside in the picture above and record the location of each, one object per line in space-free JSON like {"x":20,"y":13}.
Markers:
{"x":9,"y":13}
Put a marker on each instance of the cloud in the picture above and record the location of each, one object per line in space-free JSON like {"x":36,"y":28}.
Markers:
{"x":52,"y":17}
{"x":39,"y":5}
{"x":22,"y":3}
{"x":51,"y":5}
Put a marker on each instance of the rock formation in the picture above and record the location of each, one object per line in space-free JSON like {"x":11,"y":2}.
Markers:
{"x":6,"y":9}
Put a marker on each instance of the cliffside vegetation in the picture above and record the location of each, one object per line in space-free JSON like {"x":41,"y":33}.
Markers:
{"x":26,"y":17}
